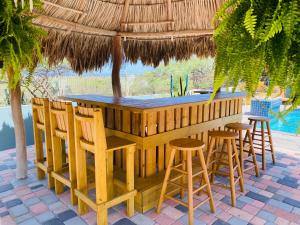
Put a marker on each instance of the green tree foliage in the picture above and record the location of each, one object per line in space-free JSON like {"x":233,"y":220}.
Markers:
{"x":255,"y":36}
{"x":20,"y":40}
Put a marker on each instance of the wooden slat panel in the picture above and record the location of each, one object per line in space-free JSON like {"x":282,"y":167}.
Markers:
{"x":236,"y":106}
{"x":170,"y":125}
{"x":240,"y":106}
{"x":151,"y":151}
{"x":161,"y":148}
{"x":185,"y":116}
{"x":178,"y":117}
{"x":193,"y":120}
{"x":206,"y":112}
{"x":217,"y":110}
{"x":211,"y":110}
{"x":118,"y":119}
{"x":232,"y":104}
{"x":136,"y":123}
{"x":126,"y":121}
{"x":223,"y":109}
{"x":227,"y":107}
{"x":200,"y":113}
{"x":110,"y":116}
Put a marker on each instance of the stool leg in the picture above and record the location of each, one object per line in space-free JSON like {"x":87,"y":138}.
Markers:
{"x":130,"y":179}
{"x":209,"y":155}
{"x":263,"y":146}
{"x":241,"y":153}
{"x":183,"y":155}
{"x":239,"y":171}
{"x":102,"y":215}
{"x":165,"y":183}
{"x":57,"y":162}
{"x":251,"y":150}
{"x":81,"y":178}
{"x":190,"y":188}
{"x":206,"y":179}
{"x":39,"y":155}
{"x":271,"y":141}
{"x":231,"y":173}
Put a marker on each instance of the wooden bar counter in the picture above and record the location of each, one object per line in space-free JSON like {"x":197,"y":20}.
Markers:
{"x":152,"y":123}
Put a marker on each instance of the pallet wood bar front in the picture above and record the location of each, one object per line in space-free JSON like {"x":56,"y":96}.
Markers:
{"x":152,"y":123}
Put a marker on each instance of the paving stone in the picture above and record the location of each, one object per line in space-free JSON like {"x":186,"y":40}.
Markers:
{"x":45,"y":216}
{"x":36,"y":187}
{"x":289,"y":181}
{"x":227,"y":200}
{"x":3,"y":167}
{"x":5,"y":213}
{"x":31,"y":221}
{"x":278,"y":197}
{"x":281,"y":205}
{"x":75,"y":221}
{"x":292,"y":202}
{"x":185,"y":220}
{"x":49,"y":199}
{"x":182,"y":208}
{"x":23,"y":218}
{"x":124,"y":221}
{"x":237,"y":221}
{"x":220,"y":222}
{"x":54,"y":221}
{"x":140,"y":219}
{"x":1,"y":204}
{"x":6,"y":187}
{"x":245,"y":199}
{"x":18,"y":210}
{"x":13,"y":203}
{"x":266,"y":215}
{"x":257,"y":197}
{"x":66,"y":215}
{"x":272,"y":189}
{"x":31,"y":201}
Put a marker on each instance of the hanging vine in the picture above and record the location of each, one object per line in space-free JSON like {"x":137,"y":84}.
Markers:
{"x":256,"y":36}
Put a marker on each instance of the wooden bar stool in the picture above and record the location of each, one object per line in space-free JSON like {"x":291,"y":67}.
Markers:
{"x":260,"y":142}
{"x":187,"y":146}
{"x":41,"y":124}
{"x":251,"y":157}
{"x":62,"y":129}
{"x":90,"y":138}
{"x":226,"y":157}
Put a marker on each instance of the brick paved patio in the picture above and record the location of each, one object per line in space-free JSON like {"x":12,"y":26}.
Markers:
{"x":273,"y":198}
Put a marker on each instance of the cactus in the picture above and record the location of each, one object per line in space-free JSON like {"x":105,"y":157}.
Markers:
{"x":172,"y":87}
{"x":182,"y":91}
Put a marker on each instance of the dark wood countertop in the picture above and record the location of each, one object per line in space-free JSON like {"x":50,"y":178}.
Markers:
{"x":148,"y":103}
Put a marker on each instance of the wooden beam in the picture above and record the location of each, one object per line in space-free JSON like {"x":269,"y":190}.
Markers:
{"x":117,"y":61}
{"x":124,"y":15}
{"x":61,"y":24}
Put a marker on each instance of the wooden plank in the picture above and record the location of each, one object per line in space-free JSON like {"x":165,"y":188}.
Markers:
{"x":161,"y":147}
{"x":185,"y":116}
{"x":193,"y":120}
{"x":211,"y":110}
{"x":228,"y":107}
{"x":217,"y":110}
{"x":231,"y":110}
{"x":206,"y":112}
{"x":170,"y":125}
{"x":151,"y":150}
{"x":223,"y":108}
{"x":200,"y":113}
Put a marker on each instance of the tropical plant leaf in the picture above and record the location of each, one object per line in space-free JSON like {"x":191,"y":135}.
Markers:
{"x":250,"y":22}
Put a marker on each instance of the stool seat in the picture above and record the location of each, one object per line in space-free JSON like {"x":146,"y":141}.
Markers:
{"x":238,"y":126}
{"x":258,"y":118}
{"x":187,"y":144}
{"x":223,"y":134}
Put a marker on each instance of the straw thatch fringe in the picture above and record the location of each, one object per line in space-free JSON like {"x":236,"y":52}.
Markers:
{"x":82,"y":51}
{"x":153,"y":52}
{"x":92,"y":52}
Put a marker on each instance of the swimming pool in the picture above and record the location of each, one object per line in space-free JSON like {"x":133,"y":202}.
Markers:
{"x":290,"y":124}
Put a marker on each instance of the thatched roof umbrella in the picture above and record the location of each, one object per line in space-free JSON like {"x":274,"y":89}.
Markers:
{"x":88,"y":33}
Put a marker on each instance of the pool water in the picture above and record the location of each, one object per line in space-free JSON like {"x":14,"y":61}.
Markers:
{"x":290,"y":123}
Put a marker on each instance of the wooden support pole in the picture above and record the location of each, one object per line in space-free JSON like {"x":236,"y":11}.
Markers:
{"x":117,"y":61}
